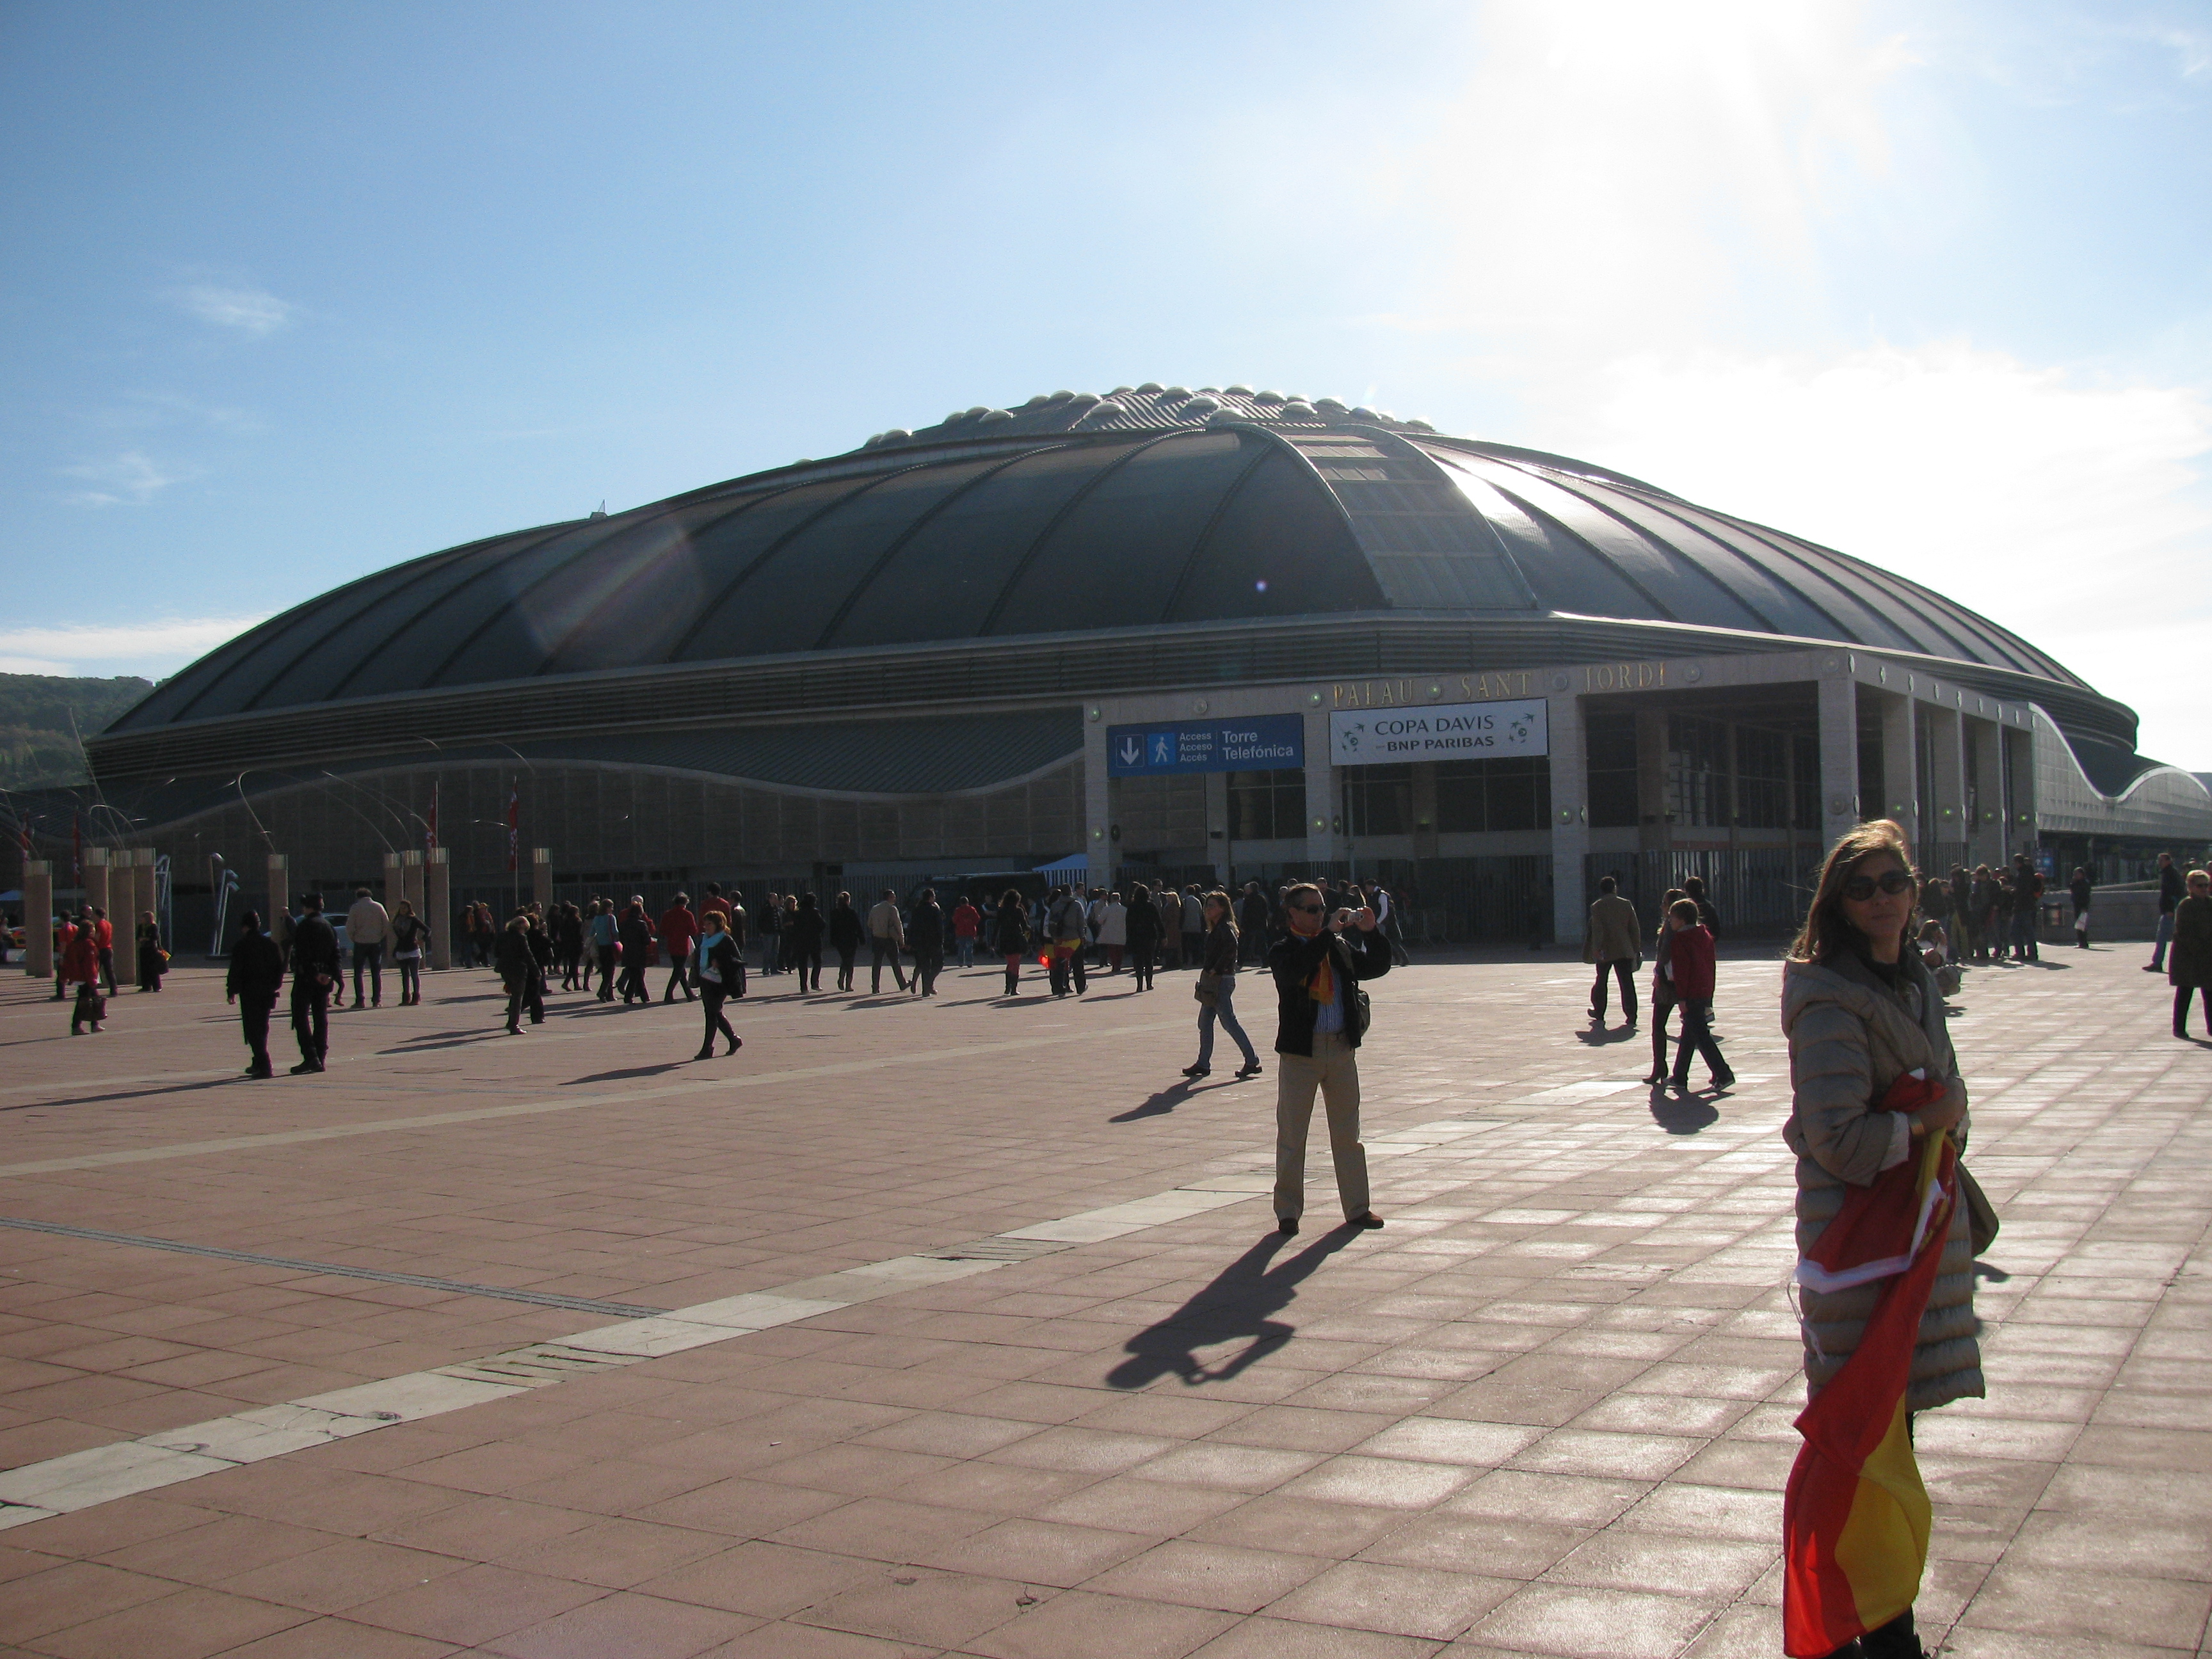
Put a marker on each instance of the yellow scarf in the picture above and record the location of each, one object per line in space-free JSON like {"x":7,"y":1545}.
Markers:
{"x":1322,"y":988}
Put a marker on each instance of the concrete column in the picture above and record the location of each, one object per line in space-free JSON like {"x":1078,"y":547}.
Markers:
{"x":2023,"y":834}
{"x":95,"y":880}
{"x":38,"y":918}
{"x":1324,"y":812}
{"x":280,"y":896}
{"x":410,"y":878}
{"x":1900,"y":766}
{"x":1988,"y":842}
{"x":1217,"y":825}
{"x":1653,"y":832}
{"x":1098,"y":843}
{"x":438,"y":908}
{"x":1840,"y":807}
{"x":541,"y":877}
{"x":392,"y":877}
{"x":1425,"y":808}
{"x":149,"y":884}
{"x":1570,"y":817}
{"x":1948,"y":828}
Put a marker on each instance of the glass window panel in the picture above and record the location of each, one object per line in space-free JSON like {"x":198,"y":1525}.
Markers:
{"x":1697,"y":771}
{"x":1378,"y":800}
{"x":1512,"y":792}
{"x":1280,"y":549}
{"x":1267,"y":805}
{"x":1610,"y":743}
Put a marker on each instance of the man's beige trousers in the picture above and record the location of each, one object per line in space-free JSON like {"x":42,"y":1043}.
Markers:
{"x":1334,"y":1070}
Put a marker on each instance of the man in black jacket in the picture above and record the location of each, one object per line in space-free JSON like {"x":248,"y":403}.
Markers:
{"x":1322,"y":1015}
{"x":314,"y":970}
{"x":925,"y":935}
{"x":256,"y":972}
{"x":2170,"y":891}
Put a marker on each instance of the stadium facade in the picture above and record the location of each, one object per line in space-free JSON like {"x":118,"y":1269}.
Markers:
{"x":1165,"y":631}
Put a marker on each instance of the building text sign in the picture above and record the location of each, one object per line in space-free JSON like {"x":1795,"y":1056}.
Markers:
{"x":1453,"y":731}
{"x":1264,"y":743}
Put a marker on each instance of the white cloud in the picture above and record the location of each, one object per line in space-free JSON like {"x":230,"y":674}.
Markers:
{"x":151,"y":648}
{"x":131,"y":479}
{"x":2070,"y":509}
{"x":250,"y":310}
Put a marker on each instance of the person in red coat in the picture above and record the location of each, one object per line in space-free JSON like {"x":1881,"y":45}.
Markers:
{"x":81,"y":967}
{"x":1690,"y":964}
{"x":679,"y":928}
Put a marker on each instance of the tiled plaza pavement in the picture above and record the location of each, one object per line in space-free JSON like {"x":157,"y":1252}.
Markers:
{"x":1546,"y":1411}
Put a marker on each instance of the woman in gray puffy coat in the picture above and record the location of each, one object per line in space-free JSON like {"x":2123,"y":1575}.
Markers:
{"x":1861,"y":1011}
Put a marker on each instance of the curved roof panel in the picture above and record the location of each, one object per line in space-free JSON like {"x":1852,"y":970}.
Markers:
{"x":1073,"y":512}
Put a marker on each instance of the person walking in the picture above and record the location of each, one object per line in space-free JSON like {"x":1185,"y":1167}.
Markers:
{"x":1010,"y":936}
{"x":79,"y":966}
{"x":1662,"y":986}
{"x":635,"y":934}
{"x":1385,"y":904}
{"x":927,"y":937}
{"x":1321,"y":1019}
{"x":368,"y":927}
{"x":716,"y":964}
{"x":314,"y":970}
{"x":1252,"y":924}
{"x":772,"y":917}
{"x":255,"y":976}
{"x":600,"y":929}
{"x":1170,"y":906}
{"x":1865,"y":1026}
{"x":1693,"y":888}
{"x":2027,"y":909}
{"x":1690,"y":960}
{"x":1143,"y":929}
{"x":1067,"y":921}
{"x":1216,"y":989}
{"x":1989,"y":913}
{"x":103,"y":930}
{"x":679,"y":930}
{"x":1113,"y":930}
{"x":967,"y":924}
{"x":845,"y":937}
{"x":2170,"y":889}
{"x":1611,"y":942}
{"x":518,"y":972}
{"x":886,"y":939}
{"x":1194,"y":930}
{"x":567,"y":944}
{"x":803,"y":928}
{"x":153,"y":961}
{"x":2188,"y":966}
{"x":411,"y":937}
{"x":2080,"y":891}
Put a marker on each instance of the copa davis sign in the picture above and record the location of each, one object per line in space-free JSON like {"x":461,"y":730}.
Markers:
{"x":1455,"y":731}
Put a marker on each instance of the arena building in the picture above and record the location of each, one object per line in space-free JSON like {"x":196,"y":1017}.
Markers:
{"x":1225,"y":632}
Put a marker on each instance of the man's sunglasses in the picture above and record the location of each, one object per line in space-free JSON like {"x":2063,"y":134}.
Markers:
{"x":1859,"y":889}
{"x":1306,"y":909}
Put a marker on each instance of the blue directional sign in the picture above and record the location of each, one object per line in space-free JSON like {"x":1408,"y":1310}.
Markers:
{"x":1264,"y":743}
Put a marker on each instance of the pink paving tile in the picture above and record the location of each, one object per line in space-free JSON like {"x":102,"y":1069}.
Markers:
{"x":191,"y":1624}
{"x":940,"y":1609}
{"x":1083,"y":1625}
{"x":635,"y":1626}
{"x":474,"y":1605}
{"x":1400,"y":1600}
{"x":1228,"y":1577}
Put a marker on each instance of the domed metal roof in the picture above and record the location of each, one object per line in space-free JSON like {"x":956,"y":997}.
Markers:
{"x":1148,"y":505}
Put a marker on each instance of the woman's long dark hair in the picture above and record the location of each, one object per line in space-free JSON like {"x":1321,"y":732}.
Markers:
{"x":1827,"y":929}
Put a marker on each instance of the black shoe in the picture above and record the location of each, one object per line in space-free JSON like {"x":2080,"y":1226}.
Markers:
{"x":736,"y":1044}
{"x":1370,"y":1221}
{"x":1253,"y":1070}
{"x":1727,"y":1081}
{"x":1286,"y":1225}
{"x":260,"y":1071}
{"x":1198,"y":1071}
{"x":306,"y":1066}
{"x":707,"y":1052}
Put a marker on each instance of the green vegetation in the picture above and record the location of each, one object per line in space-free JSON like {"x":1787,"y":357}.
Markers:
{"x":41,"y":716}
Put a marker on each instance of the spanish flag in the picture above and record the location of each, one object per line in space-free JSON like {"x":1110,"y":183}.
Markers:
{"x":1855,"y":1518}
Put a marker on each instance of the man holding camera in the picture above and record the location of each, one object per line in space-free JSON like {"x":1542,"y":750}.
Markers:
{"x":1322,"y":1015}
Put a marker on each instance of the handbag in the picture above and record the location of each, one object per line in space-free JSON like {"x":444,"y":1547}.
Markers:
{"x":1981,"y":1215}
{"x":1208,"y":989}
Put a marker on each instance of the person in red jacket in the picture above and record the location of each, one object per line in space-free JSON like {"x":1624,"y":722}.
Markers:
{"x":81,"y":967}
{"x":678,"y":928}
{"x":1690,"y":964}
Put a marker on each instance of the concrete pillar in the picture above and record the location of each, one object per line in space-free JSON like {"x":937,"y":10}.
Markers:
{"x":438,"y":908}
{"x":1217,"y":826}
{"x":1425,"y":808}
{"x":280,"y":896}
{"x":96,"y":880}
{"x":38,"y":918}
{"x":1988,"y":842}
{"x":1098,"y":843}
{"x":1570,"y":817}
{"x":149,"y":884}
{"x":2023,"y":834}
{"x":1947,"y":814}
{"x":541,"y":877}
{"x":1840,"y":807}
{"x":392,"y":877}
{"x":1324,"y":812}
{"x":1653,"y":833}
{"x":1900,"y":766}
{"x":410,"y":878}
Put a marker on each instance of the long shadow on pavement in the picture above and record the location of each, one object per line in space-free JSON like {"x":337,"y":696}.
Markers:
{"x":1237,"y":1304}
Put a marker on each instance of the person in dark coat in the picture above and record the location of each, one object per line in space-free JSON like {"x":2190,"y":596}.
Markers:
{"x":1252,"y":923}
{"x":79,"y":966}
{"x":257,"y":973}
{"x":635,"y":934}
{"x":803,"y":928}
{"x":1321,"y":1017}
{"x":518,"y":972}
{"x":718,"y":967}
{"x":153,"y":960}
{"x":845,"y":938}
{"x":2080,"y":890}
{"x":1010,"y":936}
{"x":2189,"y":961}
{"x":314,"y":968}
{"x":1690,"y":961}
{"x":1143,"y":927}
{"x":925,"y":937}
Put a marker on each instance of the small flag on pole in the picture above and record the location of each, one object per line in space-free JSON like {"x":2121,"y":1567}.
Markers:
{"x":513,"y":829}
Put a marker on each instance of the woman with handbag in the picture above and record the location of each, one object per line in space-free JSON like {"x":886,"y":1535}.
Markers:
{"x":1010,"y":936}
{"x":153,"y":960}
{"x":1865,"y":1023}
{"x":1216,"y":990}
{"x":79,"y":966}
{"x":717,"y":967}
{"x":411,"y":937}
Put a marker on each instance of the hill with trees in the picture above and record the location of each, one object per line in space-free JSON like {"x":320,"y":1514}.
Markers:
{"x":43,"y":716}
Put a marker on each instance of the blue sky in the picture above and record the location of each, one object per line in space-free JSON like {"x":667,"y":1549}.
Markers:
{"x":290,"y":292}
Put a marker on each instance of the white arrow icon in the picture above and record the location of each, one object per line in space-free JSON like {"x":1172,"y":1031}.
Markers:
{"x":1133,"y":753}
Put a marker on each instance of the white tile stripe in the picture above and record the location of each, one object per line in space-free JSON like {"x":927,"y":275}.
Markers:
{"x":78,"y":1480}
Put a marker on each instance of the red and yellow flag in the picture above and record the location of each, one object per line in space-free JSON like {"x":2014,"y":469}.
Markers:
{"x":1855,"y":1518}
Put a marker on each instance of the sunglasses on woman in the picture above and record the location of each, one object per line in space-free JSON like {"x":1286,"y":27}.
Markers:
{"x":1859,"y":889}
